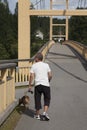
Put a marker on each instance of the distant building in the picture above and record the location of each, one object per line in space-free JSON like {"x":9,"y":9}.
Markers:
{"x":39,"y":34}
{"x":60,"y":39}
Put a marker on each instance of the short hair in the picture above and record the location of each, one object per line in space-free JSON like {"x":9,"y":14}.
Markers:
{"x":39,"y":56}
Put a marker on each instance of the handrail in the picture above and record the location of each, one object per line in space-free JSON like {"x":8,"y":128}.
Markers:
{"x":7,"y":65}
{"x":77,"y":43}
{"x":13,"y":61}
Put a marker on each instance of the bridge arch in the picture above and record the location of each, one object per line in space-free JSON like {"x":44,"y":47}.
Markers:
{"x":24,"y":13}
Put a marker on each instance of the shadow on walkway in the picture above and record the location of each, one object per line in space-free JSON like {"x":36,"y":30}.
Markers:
{"x":22,"y":110}
{"x":77,"y":77}
{"x":29,"y":112}
{"x":77,"y":56}
{"x":65,"y":56}
{"x":80,"y":57}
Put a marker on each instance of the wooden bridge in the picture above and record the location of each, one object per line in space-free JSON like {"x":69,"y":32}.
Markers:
{"x":68,"y":61}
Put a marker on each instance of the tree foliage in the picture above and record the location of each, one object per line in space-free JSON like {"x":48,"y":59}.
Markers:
{"x":78,"y":29}
{"x":8,"y":32}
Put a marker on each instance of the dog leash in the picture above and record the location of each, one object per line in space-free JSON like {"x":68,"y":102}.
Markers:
{"x":29,"y":92}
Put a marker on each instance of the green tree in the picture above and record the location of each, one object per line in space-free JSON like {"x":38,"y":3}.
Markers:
{"x":78,"y":29}
{"x":8,"y":30}
{"x":3,"y":53}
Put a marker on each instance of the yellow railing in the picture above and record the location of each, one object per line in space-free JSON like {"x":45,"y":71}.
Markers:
{"x":11,"y":76}
{"x":80,"y":48}
{"x":22,"y":76}
{"x":7,"y":86}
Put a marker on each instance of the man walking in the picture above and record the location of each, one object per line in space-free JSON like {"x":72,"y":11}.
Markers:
{"x":42,"y":75}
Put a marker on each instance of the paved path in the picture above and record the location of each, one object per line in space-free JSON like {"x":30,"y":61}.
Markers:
{"x":68,"y":109}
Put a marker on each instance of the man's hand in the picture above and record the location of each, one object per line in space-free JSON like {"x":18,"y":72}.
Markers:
{"x":30,"y":90}
{"x":30,"y":82}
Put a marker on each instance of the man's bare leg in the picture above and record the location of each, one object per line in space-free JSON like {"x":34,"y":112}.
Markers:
{"x":45,"y":109}
{"x":37,"y":112}
{"x":45,"y":115}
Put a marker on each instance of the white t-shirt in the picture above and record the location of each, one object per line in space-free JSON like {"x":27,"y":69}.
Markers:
{"x":41,"y":69}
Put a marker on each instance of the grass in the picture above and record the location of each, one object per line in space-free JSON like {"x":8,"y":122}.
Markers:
{"x":11,"y":122}
{"x":21,"y":87}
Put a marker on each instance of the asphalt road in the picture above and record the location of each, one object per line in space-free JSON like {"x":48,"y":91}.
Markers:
{"x":68,"y":108}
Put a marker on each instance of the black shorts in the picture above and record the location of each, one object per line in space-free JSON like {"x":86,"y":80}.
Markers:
{"x":39,"y":90}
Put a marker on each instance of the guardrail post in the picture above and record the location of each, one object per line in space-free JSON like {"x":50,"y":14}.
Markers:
{"x":3,"y":76}
{"x":13,"y":86}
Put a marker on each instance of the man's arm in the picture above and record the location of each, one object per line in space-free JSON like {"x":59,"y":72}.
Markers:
{"x":49,"y":76}
{"x":31,"y":78}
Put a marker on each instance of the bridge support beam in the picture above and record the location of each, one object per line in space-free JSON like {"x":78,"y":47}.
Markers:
{"x":78,"y":12}
{"x":24,"y":14}
{"x":67,"y":21}
{"x":23,"y":31}
{"x":51,"y":29}
{"x":67,"y":24}
{"x":51,"y":24}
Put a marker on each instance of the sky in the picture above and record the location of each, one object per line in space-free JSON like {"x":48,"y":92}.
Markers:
{"x":12,"y":4}
{"x":73,"y":4}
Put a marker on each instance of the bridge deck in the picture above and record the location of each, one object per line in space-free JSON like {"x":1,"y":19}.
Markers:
{"x":68,"y":109}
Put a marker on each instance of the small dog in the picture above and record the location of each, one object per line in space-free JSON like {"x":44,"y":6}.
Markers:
{"x":24,"y":100}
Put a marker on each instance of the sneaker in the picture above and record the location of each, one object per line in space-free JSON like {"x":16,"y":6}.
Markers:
{"x":46,"y":117}
{"x":37,"y":117}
